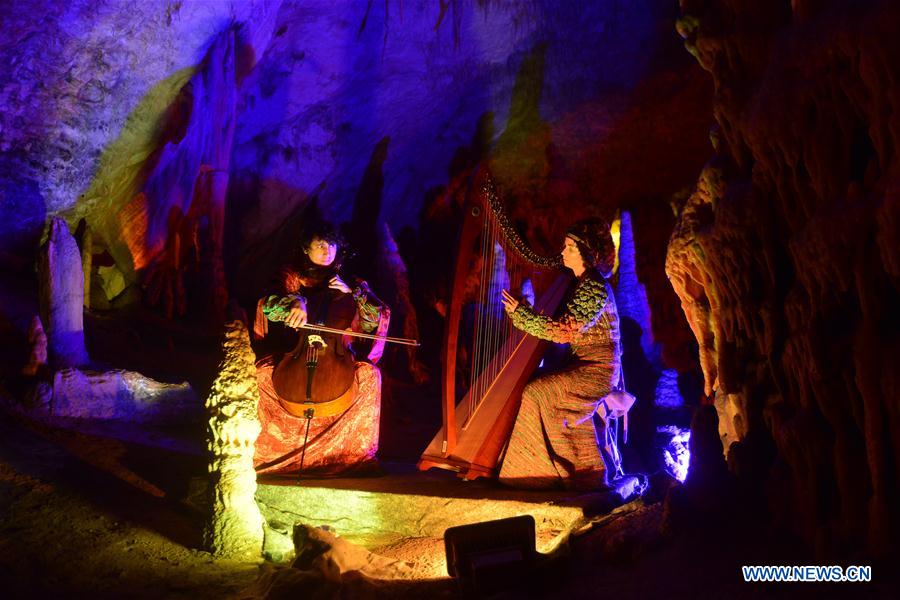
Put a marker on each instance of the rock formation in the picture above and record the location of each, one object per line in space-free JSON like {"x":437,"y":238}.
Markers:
{"x":392,"y":270}
{"x":62,"y":297}
{"x":174,"y":227}
{"x":323,"y":551}
{"x":235,"y":525}
{"x":86,"y":89}
{"x":631,"y":294}
{"x":787,"y":261}
{"x":113,"y":396}
{"x":37,"y":339}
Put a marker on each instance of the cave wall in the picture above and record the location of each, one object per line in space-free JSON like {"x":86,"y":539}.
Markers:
{"x":573,"y":103}
{"x":85,"y":89}
{"x":786,"y":259}
{"x":377,"y":108}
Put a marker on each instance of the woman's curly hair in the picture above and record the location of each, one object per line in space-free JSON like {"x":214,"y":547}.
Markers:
{"x":595,"y":244}
{"x":323,"y":230}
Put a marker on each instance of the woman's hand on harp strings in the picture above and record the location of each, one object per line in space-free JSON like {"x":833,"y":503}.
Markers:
{"x":510,"y":304}
{"x":298,"y":316}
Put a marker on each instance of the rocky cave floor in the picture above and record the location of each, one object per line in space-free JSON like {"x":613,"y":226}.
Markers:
{"x":100,"y":510}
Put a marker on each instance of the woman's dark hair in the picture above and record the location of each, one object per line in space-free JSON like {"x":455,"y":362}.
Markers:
{"x":322,"y":230}
{"x":595,"y":244}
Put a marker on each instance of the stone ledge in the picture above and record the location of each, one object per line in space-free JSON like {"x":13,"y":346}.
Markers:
{"x":380,"y":511}
{"x":111,"y":395}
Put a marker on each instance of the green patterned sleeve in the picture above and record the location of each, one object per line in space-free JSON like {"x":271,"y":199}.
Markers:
{"x":277,"y":308}
{"x":369,"y":307}
{"x":582,"y":312}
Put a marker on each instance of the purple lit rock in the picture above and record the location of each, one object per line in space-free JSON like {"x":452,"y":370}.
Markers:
{"x":113,"y":395}
{"x":667,"y":394}
{"x":77,"y":77}
{"x":181,"y":209}
{"x":676,"y":454}
{"x":631,"y":295}
{"x":62,"y":297}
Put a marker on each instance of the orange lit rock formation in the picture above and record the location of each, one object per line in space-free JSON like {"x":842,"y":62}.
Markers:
{"x":786,"y":258}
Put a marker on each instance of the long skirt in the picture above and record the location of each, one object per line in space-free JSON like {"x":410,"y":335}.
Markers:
{"x":555,"y":442}
{"x":343,"y":444}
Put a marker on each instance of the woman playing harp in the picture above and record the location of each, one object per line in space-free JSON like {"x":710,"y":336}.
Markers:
{"x":554,"y":442}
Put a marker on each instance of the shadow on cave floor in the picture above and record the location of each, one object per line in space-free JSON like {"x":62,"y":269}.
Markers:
{"x":141,"y":483}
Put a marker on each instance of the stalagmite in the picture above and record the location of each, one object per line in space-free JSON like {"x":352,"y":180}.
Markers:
{"x":685,"y":269}
{"x":87,"y":260}
{"x":631,"y":295}
{"x":62,"y":297}
{"x":235,"y":525}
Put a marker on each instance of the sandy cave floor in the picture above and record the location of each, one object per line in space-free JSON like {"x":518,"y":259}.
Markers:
{"x":86,"y":514}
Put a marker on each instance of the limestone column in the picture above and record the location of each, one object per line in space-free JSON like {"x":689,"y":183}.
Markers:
{"x":235,"y":526}
{"x":62,"y":297}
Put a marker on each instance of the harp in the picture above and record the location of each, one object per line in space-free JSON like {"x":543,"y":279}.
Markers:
{"x":486,"y":361}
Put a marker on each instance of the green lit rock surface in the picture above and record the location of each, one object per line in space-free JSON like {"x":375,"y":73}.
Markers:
{"x":403,"y":515}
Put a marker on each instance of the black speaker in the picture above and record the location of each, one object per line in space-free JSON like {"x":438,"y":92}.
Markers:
{"x":492,"y":554}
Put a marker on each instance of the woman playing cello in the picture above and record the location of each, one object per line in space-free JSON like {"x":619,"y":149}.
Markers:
{"x":341,"y":432}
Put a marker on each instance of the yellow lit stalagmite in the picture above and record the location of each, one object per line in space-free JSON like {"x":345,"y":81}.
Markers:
{"x":235,"y":525}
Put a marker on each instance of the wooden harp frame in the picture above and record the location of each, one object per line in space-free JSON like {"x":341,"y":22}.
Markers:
{"x":471,"y":444}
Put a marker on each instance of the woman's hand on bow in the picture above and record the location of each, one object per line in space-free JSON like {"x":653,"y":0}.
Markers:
{"x":298,"y":315}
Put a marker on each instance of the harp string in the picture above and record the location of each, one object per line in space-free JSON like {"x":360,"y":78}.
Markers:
{"x":496,"y":274}
{"x":480,"y":353}
{"x":494,"y":338}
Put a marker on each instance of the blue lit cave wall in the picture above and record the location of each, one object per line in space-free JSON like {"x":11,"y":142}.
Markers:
{"x":85,"y":89}
{"x":149,"y":121}
{"x":378,"y":110}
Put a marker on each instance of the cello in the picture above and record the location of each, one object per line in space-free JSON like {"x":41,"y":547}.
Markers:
{"x":317,"y":375}
{"x":315,"y":379}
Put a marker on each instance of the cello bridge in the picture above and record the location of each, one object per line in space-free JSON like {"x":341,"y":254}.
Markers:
{"x":316,"y":341}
